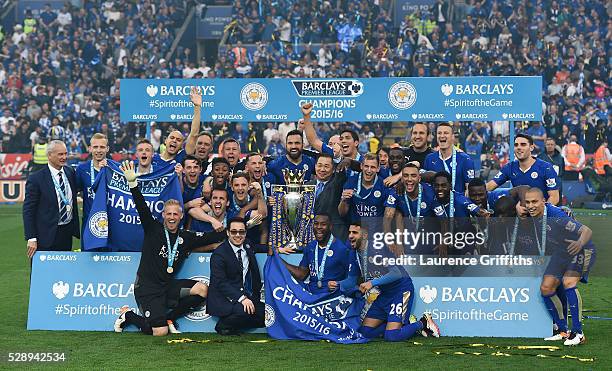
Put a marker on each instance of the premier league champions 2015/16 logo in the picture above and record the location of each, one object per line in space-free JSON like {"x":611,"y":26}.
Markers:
{"x":254,"y":96}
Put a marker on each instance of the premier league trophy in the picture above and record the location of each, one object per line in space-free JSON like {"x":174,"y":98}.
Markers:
{"x":292,"y":213}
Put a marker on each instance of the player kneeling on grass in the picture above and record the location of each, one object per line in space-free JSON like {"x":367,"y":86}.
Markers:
{"x":389,"y":314}
{"x":160,"y":297}
{"x":572,"y":256}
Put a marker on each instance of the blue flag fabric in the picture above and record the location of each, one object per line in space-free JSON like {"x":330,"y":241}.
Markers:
{"x":292,"y":313}
{"x":113,"y":221}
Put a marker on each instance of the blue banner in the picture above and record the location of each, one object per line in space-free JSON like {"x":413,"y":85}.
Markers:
{"x":292,"y":313}
{"x":84,"y":291}
{"x":113,"y":220}
{"x":212,"y":21}
{"x":375,"y":99}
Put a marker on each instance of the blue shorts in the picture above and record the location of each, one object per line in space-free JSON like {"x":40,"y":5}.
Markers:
{"x":394,"y":305}
{"x":581,"y":263}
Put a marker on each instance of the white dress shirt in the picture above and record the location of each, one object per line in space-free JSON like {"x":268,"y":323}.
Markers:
{"x":54,"y":174}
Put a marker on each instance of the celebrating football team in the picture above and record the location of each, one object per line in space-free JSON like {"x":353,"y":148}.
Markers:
{"x":230,"y":197}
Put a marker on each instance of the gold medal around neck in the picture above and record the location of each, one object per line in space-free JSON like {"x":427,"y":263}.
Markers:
{"x":170,"y":270}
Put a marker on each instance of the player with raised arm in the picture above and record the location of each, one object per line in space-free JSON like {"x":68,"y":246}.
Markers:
{"x":160,"y":297}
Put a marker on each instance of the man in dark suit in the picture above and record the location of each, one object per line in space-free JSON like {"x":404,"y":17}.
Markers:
{"x":50,"y":210}
{"x":328,"y":189}
{"x":235,"y":284}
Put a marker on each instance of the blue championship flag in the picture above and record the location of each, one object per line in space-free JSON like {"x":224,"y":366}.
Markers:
{"x":292,"y":313}
{"x":113,"y":221}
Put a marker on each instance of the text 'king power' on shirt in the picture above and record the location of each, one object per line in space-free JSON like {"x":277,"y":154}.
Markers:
{"x":336,"y":264}
{"x":275,"y":168}
{"x":464,"y":171}
{"x":369,"y":202}
{"x":541,"y":175}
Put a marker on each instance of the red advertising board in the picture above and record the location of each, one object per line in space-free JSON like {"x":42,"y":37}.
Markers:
{"x":13,"y":165}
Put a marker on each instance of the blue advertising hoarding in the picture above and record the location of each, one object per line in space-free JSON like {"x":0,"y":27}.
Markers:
{"x":84,"y":291}
{"x":375,"y":99}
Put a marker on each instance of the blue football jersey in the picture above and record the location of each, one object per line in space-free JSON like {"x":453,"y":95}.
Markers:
{"x":398,"y":202}
{"x":494,"y":195}
{"x":336,"y":264}
{"x":464,"y":207}
{"x":541,"y":175}
{"x":369,"y":202}
{"x":160,"y":162}
{"x":276,"y":166}
{"x":464,"y":171}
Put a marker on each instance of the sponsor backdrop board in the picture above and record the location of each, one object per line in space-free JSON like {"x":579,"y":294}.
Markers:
{"x":84,"y":291}
{"x":374,"y":99}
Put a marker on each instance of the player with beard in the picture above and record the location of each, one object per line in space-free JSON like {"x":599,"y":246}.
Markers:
{"x":453,"y":207}
{"x":419,"y":147}
{"x":86,"y":172}
{"x":161,"y":297}
{"x":212,"y":216}
{"x":383,"y":160}
{"x":364,"y":195}
{"x":397,"y":160}
{"x":325,"y":259}
{"x":219,"y":177}
{"x":255,"y":168}
{"x":528,"y":170}
{"x":192,"y":182}
{"x":412,"y":207}
{"x":293,"y":161}
{"x":447,"y":158}
{"x":203,"y":148}
{"x":572,"y":256}
{"x":174,"y":153}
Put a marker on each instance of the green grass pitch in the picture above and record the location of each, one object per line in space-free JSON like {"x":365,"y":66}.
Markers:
{"x":96,"y":350}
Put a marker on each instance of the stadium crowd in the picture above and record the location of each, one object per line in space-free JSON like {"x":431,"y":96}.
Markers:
{"x":59,"y":70}
{"x":59,"y":80}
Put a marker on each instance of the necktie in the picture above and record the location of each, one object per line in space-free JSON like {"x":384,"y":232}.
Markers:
{"x":63,"y":210}
{"x":247,"y":279}
{"x":319,"y":189}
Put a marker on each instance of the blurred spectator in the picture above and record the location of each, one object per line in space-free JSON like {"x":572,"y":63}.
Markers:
{"x":573,"y":154}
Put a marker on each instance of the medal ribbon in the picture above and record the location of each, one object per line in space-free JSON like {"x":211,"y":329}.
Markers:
{"x":453,"y":172}
{"x":358,"y":192}
{"x":171,"y":249}
{"x":321,"y":269}
{"x":418,"y":212}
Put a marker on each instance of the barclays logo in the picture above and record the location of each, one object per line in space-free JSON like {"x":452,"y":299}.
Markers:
{"x":428,"y":294}
{"x":60,"y":289}
{"x":152,"y":90}
{"x":446,"y":89}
